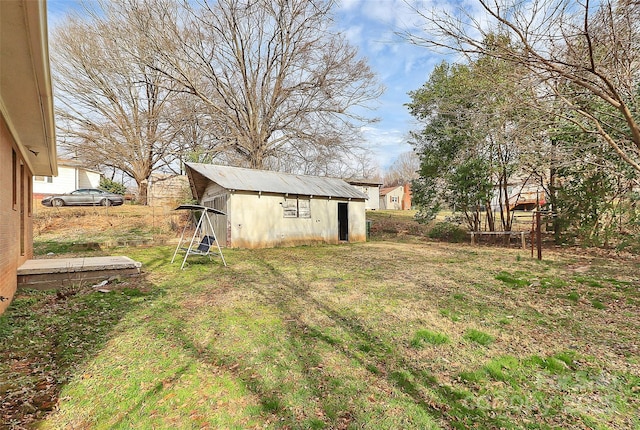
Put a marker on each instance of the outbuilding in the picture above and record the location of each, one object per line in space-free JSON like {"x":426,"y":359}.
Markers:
{"x":371,"y":188}
{"x":266,"y":209}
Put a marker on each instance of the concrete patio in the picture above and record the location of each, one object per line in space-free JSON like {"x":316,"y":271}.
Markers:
{"x":58,"y":272}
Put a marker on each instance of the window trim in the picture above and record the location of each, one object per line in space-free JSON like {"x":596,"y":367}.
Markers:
{"x":14,"y":178}
{"x":291,"y":207}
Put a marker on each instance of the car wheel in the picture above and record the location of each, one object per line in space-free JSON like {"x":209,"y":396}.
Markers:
{"x":105,"y":202}
{"x":57,"y":203}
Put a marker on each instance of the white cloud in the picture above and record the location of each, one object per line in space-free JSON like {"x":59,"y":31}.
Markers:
{"x":385,"y":144}
{"x":348,"y":4}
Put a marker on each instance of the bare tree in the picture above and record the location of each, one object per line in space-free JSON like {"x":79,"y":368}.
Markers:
{"x":276,"y":82}
{"x":586,"y":57}
{"x":113,"y":110}
{"x":404,"y":169}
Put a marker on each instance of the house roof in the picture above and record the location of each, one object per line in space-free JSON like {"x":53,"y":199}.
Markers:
{"x":387,"y":190}
{"x":364,"y":182}
{"x":241,"y":179}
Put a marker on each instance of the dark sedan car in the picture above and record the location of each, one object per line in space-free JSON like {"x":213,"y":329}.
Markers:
{"x":85,"y":197}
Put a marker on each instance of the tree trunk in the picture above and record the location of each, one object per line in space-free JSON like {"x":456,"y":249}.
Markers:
{"x":143,"y":188}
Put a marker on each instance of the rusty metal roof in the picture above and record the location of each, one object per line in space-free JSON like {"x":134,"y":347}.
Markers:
{"x":241,"y":179}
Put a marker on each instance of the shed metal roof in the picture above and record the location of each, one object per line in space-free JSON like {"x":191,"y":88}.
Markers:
{"x":241,"y":179}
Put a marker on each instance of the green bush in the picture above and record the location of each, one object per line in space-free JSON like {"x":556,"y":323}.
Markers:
{"x":447,"y":232}
{"x":112,"y":186}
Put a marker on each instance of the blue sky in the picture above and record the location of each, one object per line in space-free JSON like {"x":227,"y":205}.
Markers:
{"x":401,"y":67}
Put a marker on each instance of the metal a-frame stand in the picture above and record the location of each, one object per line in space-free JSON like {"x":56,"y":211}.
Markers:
{"x":203,"y":247}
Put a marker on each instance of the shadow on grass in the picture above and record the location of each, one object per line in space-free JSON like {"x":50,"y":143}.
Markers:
{"x":365,"y":346}
{"x":374,"y":354}
{"x":47,"y":336}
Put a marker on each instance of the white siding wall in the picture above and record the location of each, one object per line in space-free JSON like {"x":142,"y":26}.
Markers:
{"x":87,"y":179}
{"x":373,"y":191}
{"x":393,"y":199}
{"x":68,"y":179}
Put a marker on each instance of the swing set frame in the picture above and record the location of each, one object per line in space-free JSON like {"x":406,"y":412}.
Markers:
{"x":202,"y":247}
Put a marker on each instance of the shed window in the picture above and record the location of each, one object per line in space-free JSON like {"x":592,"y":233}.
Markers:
{"x":47,"y":179}
{"x":297,"y":208}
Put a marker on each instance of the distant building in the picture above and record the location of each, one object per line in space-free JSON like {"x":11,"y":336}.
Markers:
{"x":27,"y":131}
{"x":71,"y":176}
{"x":265,"y":209}
{"x":371,"y":188}
{"x":524,"y":194}
{"x":396,"y":198}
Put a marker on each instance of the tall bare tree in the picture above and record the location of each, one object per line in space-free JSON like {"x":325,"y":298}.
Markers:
{"x":113,"y":110}
{"x":577,"y":51}
{"x":277,"y":83}
{"x":403,"y":169}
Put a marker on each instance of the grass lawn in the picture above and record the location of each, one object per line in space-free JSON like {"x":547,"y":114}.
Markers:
{"x":386,"y":334}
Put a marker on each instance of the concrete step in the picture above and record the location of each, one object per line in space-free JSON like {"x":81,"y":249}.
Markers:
{"x":59,"y":272}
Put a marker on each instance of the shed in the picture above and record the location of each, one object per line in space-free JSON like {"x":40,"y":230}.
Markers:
{"x":371,"y":188}
{"x":265,"y":209}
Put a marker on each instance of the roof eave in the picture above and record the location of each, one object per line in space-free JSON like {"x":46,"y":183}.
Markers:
{"x":26,"y":96}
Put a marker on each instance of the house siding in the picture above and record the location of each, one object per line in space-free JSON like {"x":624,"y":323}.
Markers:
{"x":15,"y":241}
{"x":373,"y":191}
{"x":68,"y":179}
{"x":392,"y":199}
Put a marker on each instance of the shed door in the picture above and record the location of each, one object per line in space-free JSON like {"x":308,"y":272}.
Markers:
{"x":343,"y":221}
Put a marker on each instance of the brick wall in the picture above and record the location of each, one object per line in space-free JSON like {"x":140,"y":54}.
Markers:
{"x":406,"y":197}
{"x":16,"y":244}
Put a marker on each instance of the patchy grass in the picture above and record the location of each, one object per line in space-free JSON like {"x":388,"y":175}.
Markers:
{"x":513,"y":280}
{"x":597,"y":304}
{"x":321,"y":337}
{"x":573,"y":296}
{"x":478,"y":337}
{"x":428,"y":337}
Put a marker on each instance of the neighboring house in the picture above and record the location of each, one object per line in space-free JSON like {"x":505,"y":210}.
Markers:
{"x":266,"y":209}
{"x":523,"y":195}
{"x":396,"y":198}
{"x":27,"y":138}
{"x":371,"y":189}
{"x":71,"y":176}
{"x":167,"y":190}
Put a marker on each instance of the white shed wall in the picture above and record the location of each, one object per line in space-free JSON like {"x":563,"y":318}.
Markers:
{"x":257,"y":221}
{"x":373,"y":203}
